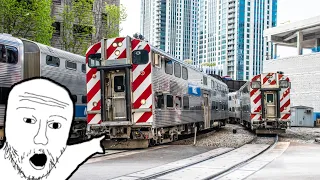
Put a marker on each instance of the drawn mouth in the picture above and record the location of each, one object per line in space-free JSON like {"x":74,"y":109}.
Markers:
{"x":38,"y":161}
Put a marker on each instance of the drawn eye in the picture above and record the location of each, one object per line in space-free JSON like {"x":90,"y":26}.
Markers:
{"x":55,"y":125}
{"x":29,"y":120}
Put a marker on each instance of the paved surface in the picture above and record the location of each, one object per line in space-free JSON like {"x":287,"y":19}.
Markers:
{"x":299,"y":161}
{"x":294,"y":161}
{"x":120,"y":164}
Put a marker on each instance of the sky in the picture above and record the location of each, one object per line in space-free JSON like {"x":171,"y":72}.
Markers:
{"x":288,"y":10}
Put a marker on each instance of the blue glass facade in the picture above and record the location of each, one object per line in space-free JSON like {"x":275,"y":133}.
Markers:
{"x":163,"y":25}
{"x":274,"y":12}
{"x":241,"y":43}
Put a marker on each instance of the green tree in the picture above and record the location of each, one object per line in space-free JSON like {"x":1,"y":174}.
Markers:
{"x":112,"y":18}
{"x":30,"y":19}
{"x":77,"y":26}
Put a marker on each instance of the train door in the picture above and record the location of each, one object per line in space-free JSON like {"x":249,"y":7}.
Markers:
{"x":206,"y":111}
{"x":115,"y":95}
{"x":270,"y":104}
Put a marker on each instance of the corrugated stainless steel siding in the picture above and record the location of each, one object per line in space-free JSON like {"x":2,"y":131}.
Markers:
{"x":162,"y":82}
{"x":10,"y":73}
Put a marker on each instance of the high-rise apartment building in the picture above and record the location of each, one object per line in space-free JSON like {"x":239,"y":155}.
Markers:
{"x":98,"y":11}
{"x":171,"y":25}
{"x":231,"y":35}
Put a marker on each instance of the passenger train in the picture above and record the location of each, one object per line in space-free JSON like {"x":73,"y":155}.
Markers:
{"x":263,"y":103}
{"x":139,"y":95}
{"x":22,"y":58}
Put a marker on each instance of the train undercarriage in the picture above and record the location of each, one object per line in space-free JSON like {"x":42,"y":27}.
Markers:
{"x":267,"y":126}
{"x":133,"y":137}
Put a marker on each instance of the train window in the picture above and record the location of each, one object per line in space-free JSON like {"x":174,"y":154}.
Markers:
{"x":168,"y":67}
{"x":205,"y":80}
{"x":12,"y":55}
{"x":8,"y":54}
{"x":118,"y":84}
{"x":84,"y":99}
{"x":4,"y":93}
{"x":140,"y":57}
{"x":157,"y":60}
{"x":177,"y":101}
{"x":74,"y":98}
{"x":229,"y":98}
{"x":177,"y":70}
{"x":83,"y":68}
{"x":169,"y":101}
{"x":184,"y":73}
{"x":269,"y":98}
{"x":52,"y":61}
{"x":185,"y":102}
{"x":160,"y":101}
{"x":232,"y":109}
{"x":71,"y":65}
{"x":94,"y":60}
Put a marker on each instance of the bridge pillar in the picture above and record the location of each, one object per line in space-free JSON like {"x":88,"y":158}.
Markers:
{"x":299,"y":42}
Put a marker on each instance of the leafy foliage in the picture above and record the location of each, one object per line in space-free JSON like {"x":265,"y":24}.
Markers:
{"x":113,"y":16}
{"x":30,"y":19}
{"x":77,"y":26}
{"x":208,"y":64}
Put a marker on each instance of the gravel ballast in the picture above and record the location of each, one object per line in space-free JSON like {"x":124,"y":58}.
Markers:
{"x":221,"y":138}
{"x":301,"y":135}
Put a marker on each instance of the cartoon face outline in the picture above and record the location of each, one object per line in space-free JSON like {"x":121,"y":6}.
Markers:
{"x":39,"y":114}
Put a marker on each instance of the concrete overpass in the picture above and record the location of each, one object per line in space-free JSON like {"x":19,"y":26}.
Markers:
{"x":300,"y":34}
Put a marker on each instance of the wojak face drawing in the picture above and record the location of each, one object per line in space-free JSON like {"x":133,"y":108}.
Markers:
{"x":43,"y":119}
{"x":39,"y":114}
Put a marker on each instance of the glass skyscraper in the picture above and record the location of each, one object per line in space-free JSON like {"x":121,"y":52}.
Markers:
{"x":171,"y":25}
{"x":231,"y":35}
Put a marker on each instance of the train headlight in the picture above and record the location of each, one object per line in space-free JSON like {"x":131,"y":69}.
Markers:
{"x":143,"y":101}
{"x":119,"y":44}
{"x":94,"y":104}
{"x":283,"y":84}
{"x":255,"y":84}
{"x":117,"y":53}
{"x":114,"y":44}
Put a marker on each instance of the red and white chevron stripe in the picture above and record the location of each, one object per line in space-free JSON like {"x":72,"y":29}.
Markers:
{"x":255,"y":98}
{"x":269,"y":80}
{"x":141,"y":80}
{"x":284,"y":99}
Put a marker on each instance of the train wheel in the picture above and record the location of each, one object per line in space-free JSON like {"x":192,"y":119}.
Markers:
{"x":152,"y":142}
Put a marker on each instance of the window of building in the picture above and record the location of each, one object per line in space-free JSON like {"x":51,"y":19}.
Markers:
{"x":177,"y":70}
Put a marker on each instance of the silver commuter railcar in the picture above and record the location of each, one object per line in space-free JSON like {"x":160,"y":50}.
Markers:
{"x":21,"y":59}
{"x":181,"y":96}
{"x":234,"y":107}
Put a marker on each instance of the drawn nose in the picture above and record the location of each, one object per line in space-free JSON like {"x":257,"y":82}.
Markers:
{"x":41,"y":136}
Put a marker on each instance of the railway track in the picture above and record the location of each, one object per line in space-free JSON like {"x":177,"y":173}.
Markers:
{"x":210,"y":165}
